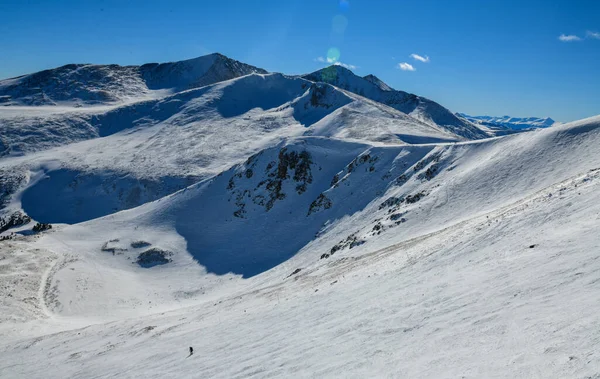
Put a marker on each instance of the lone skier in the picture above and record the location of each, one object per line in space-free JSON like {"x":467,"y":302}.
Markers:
{"x":191,"y":350}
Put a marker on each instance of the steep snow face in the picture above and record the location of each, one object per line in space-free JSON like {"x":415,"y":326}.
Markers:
{"x":378,"y":82}
{"x":420,"y":108}
{"x":81,"y":84}
{"x":150,"y":149}
{"x":197,"y":72}
{"x":509,"y":123}
{"x":364,"y":120}
{"x":72,"y":196}
{"x":74,"y":83}
{"x":315,"y":200}
{"x":22,"y":131}
{"x":143,"y":151}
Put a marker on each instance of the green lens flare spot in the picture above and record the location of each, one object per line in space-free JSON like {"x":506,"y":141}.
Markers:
{"x":333,"y":55}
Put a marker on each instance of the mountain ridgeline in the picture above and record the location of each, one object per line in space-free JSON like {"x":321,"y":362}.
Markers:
{"x":90,"y":84}
{"x":418,"y":107}
{"x":509,"y":123}
{"x":98,"y":84}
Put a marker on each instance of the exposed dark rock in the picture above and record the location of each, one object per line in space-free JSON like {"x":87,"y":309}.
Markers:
{"x":290,"y":165}
{"x":112,"y":249}
{"x":40,"y":227}
{"x":350,"y":242}
{"x":410,"y":199}
{"x":154,"y":257}
{"x":231,"y":184}
{"x":14,"y":220}
{"x":400,"y":180}
{"x":391,"y":202}
{"x":295,"y":272}
{"x":430,"y":173}
{"x":424,"y":162}
{"x":140,"y":244}
{"x":335,"y":180}
{"x":397,"y":216}
{"x":322,"y":202}
{"x":7,"y":237}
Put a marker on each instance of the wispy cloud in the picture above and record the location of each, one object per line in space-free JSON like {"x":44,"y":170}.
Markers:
{"x":568,"y":38}
{"x":324,"y":60}
{"x":346,"y":65}
{"x":406,"y":67}
{"x":335,"y":63}
{"x":594,"y":35}
{"x":418,"y":57}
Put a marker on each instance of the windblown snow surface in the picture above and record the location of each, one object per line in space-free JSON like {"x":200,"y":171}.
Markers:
{"x":284,"y":227}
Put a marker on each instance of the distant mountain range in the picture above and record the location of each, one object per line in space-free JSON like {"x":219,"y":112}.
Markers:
{"x":507,"y":123}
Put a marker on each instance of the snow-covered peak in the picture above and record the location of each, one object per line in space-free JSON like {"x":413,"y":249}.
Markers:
{"x":196,"y":72}
{"x":102,"y":84}
{"x":422,"y":109}
{"x":378,"y":82}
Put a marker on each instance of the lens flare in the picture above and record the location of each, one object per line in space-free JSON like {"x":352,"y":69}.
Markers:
{"x":333,"y":55}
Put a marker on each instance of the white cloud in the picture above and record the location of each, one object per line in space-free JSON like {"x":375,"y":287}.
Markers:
{"x":594,"y":35}
{"x":335,"y":63}
{"x":348,"y":66}
{"x":569,"y":38}
{"x":406,"y":67}
{"x":418,"y":57}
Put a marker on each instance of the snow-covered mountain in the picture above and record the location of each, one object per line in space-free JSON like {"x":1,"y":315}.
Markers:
{"x":418,"y":107}
{"x":508,"y":124}
{"x":100,"y":84}
{"x":291,"y":226}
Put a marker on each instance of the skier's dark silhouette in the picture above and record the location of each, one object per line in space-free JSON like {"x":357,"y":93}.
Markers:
{"x":191,"y":350}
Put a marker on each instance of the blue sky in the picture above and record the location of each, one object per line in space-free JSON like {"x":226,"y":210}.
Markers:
{"x":485,"y":57}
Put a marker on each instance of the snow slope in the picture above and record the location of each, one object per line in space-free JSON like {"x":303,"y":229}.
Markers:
{"x":100,"y":84}
{"x":418,"y":107}
{"x":496,"y":260}
{"x":125,"y":156}
{"x":285,"y":226}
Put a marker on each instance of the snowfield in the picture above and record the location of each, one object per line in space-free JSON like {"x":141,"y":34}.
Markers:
{"x":315,"y":226}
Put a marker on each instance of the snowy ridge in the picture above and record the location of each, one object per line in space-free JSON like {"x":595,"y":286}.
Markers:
{"x":81,"y":84}
{"x":418,"y":107}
